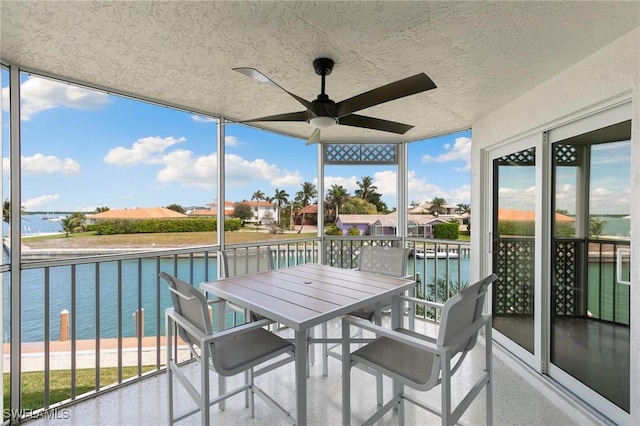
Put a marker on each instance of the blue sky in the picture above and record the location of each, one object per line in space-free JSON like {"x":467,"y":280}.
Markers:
{"x":82,"y":149}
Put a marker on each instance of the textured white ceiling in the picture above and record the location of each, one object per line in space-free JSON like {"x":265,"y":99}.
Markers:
{"x":480,"y":54}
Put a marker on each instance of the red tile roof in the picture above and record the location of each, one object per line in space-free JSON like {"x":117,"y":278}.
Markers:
{"x":528,"y":215}
{"x":138,"y":213}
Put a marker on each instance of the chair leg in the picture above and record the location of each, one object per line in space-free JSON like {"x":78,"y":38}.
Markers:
{"x":346,"y":375}
{"x":325,"y":351}
{"x":401,"y":405}
{"x":377,"y":319}
{"x":251,"y":394}
{"x":222,"y":389}
{"x":489,"y":367}
{"x":248,"y":391}
{"x":204,"y":389}
{"x":169,"y":355}
{"x":379,"y":390}
{"x":446,"y":389}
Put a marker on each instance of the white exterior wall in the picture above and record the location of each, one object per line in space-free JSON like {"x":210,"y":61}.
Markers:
{"x":611,"y":73}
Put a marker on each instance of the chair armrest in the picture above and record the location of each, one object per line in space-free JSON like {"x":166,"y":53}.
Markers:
{"x":465,"y":334}
{"x":393,"y":335}
{"x":244,"y":328}
{"x":215,"y":301}
{"x":435,"y":305}
{"x":204,"y":338}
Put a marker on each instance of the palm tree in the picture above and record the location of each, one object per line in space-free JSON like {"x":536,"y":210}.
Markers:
{"x":437,"y":206}
{"x":336,"y":197}
{"x":463,"y":208}
{"x":304,"y":197}
{"x":596,"y":227}
{"x":281,"y":197}
{"x":6,"y":211}
{"x":258,"y":196}
{"x":366,"y":188}
{"x":73,"y":223}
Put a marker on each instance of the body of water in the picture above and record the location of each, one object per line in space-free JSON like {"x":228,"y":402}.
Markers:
{"x":36,"y":224}
{"x":121,"y":300}
{"x":616,"y":226}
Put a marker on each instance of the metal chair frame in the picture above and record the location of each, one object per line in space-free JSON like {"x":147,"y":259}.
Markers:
{"x":462,"y":313}
{"x":203,"y":348}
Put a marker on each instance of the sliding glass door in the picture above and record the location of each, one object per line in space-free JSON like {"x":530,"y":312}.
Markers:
{"x":590,"y":232}
{"x":558,"y":226}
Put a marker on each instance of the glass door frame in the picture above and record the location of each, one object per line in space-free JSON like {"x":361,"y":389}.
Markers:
{"x":534,"y":140}
{"x":613,"y":113}
{"x":598,"y":116}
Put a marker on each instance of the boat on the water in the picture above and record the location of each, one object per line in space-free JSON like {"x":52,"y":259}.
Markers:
{"x":432,"y":254}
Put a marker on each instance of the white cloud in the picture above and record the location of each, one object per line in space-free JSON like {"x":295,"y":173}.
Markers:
{"x":420,"y":190}
{"x":144,"y":151}
{"x":517,"y":198}
{"x":461,"y":151}
{"x":181,"y":167}
{"x":45,"y":164}
{"x":203,"y":119}
{"x":240,"y":172}
{"x":385,"y":182}
{"x":32,"y":203}
{"x":40,"y":94}
{"x":231,"y":141}
{"x":349,"y":183}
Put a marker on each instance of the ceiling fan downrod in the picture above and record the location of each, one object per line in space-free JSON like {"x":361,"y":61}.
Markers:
{"x":323,"y":67}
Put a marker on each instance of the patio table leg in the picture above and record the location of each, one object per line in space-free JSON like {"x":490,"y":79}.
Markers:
{"x":301,"y":377}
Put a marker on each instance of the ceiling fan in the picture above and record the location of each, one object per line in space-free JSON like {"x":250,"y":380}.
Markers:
{"x":323,"y":112}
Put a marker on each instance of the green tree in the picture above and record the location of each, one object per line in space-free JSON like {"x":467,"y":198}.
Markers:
{"x":365,"y":188}
{"x":336,"y":197}
{"x":176,"y":208}
{"x":73,"y":223}
{"x":463,"y":208}
{"x":304,"y":197}
{"x":6,"y":211}
{"x":375,"y":199}
{"x":242,"y":211}
{"x":358,"y":206}
{"x":437,"y":206}
{"x":258,"y":196}
{"x":101,"y":209}
{"x":596,"y":227}
{"x":280,"y":198}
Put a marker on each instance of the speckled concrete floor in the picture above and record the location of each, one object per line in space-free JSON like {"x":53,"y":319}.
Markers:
{"x":516,"y":400}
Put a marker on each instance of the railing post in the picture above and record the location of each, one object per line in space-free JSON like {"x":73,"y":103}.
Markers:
{"x":139,"y":324}
{"x":64,"y":325}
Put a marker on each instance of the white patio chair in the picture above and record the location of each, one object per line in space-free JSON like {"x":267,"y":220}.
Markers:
{"x":245,"y":261}
{"x":390,"y":261}
{"x":422,"y":362}
{"x":227,"y":352}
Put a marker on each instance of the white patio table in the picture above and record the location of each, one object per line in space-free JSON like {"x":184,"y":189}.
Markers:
{"x":304,"y":296}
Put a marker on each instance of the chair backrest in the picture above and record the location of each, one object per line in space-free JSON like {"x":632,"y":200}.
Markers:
{"x":245,"y":261}
{"x":460,"y":312}
{"x":190,"y":303}
{"x":390,"y":261}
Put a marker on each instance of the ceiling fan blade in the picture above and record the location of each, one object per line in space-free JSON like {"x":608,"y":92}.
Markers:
{"x":314,"y":138}
{"x":409,"y":86}
{"x":254,"y":73}
{"x":374,"y":123}
{"x":290,"y":116}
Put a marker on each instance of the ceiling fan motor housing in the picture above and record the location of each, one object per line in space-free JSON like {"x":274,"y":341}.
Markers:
{"x":323,"y":66}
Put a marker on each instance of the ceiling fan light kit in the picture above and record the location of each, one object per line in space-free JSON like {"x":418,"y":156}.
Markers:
{"x":323,"y":112}
{"x":321,"y":122}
